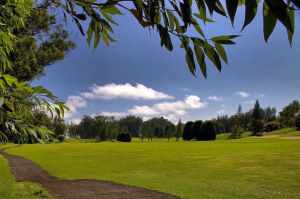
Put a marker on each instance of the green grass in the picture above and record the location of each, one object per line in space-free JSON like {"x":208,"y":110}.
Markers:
{"x":9,"y":189}
{"x":243,"y":168}
{"x":283,"y":132}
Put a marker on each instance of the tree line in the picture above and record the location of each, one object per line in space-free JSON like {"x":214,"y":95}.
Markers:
{"x":257,"y":120}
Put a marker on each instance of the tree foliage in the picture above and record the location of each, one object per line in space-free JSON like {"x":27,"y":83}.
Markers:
{"x":188,"y":131}
{"x":288,"y":114}
{"x":256,"y":123}
{"x":207,"y":131}
{"x":17,"y":97}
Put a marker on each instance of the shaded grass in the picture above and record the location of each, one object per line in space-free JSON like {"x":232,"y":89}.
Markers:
{"x":243,"y":168}
{"x":9,"y":189}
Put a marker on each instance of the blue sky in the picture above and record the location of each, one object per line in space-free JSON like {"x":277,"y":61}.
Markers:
{"x":137,"y":76}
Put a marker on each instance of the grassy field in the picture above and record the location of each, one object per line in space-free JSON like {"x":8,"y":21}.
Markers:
{"x":243,"y":168}
{"x":9,"y":189}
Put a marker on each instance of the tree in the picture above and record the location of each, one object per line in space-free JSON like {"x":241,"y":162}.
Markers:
{"x":169,"y":131}
{"x":297,"y":122}
{"x":207,"y":131}
{"x":59,"y":127}
{"x":288,"y":114}
{"x":178,"y":130}
{"x":237,"y":128}
{"x":256,"y":123}
{"x":196,"y":128}
{"x":269,"y":114}
{"x":187,"y":131}
{"x":17,"y":98}
{"x":132,"y":124}
{"x":40,"y":42}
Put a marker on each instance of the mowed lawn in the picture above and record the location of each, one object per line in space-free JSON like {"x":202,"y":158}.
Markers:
{"x":244,"y":168}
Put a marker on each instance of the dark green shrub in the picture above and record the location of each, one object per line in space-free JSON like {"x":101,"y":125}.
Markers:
{"x":196,"y":128}
{"x":124,"y":137}
{"x":271,"y":126}
{"x":60,"y":138}
{"x":297,"y":122}
{"x":187,"y":131}
{"x":207,"y":131}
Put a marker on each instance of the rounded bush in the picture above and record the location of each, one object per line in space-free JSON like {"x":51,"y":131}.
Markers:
{"x":196,"y":128}
{"x":297,"y":122}
{"x":124,"y":137}
{"x":60,"y":138}
{"x":271,"y":126}
{"x":207,"y":131}
{"x":187,"y":131}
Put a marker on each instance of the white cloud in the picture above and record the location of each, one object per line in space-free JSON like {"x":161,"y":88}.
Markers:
{"x":242,"y":94}
{"x":215,"y":98}
{"x":176,"y":108}
{"x":125,"y":91}
{"x":114,"y":114}
{"x":75,"y":121}
{"x":74,"y":102}
{"x":250,"y":102}
{"x":142,"y":110}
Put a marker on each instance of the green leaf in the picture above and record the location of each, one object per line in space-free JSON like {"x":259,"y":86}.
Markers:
{"x":202,"y":9}
{"x":112,"y":10}
{"x":279,"y":9}
{"x":204,"y":19}
{"x":201,"y":59}
{"x":220,"y":49}
{"x":214,"y":57}
{"x":79,"y":26}
{"x":190,"y":60}
{"x":90,"y":32}
{"x":231,"y":9}
{"x":165,"y":37}
{"x":224,"y":37}
{"x":171,"y":19}
{"x":251,"y":10}
{"x":269,"y":21}
{"x":291,"y":33}
{"x":81,"y":16}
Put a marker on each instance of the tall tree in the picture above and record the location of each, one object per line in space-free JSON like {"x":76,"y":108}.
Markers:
{"x":41,"y":42}
{"x":178,"y":130}
{"x":256,"y":123}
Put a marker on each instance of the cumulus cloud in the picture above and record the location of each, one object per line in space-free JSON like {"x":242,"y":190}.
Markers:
{"x":215,"y":98}
{"x":177,"y":108}
{"x":242,"y":94}
{"x":125,"y":91}
{"x":142,"y":110}
{"x":74,"y":103}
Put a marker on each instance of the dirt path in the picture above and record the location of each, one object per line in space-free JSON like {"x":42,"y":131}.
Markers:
{"x":26,"y":171}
